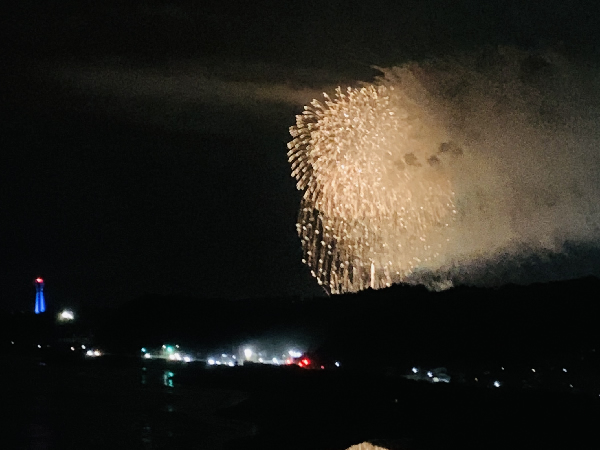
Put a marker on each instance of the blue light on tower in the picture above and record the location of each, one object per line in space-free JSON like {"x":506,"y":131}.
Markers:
{"x":40,"y":303}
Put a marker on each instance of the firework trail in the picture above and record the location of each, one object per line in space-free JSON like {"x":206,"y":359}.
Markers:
{"x":421,"y":168}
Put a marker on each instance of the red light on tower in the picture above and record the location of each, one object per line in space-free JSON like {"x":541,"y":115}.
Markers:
{"x":40,"y":303}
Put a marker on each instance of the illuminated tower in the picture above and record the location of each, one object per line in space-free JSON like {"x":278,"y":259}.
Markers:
{"x":40,"y":303}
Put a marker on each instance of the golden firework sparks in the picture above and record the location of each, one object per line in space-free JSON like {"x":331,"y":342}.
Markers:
{"x":372,"y":163}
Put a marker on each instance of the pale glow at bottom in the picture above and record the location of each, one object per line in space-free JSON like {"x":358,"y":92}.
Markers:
{"x":366,"y":446}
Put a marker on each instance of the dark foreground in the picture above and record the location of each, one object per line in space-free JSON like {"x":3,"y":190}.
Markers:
{"x":115,"y":403}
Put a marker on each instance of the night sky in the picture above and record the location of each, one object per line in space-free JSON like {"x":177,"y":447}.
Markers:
{"x":144,"y":142}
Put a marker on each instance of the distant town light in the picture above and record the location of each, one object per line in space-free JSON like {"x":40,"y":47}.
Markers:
{"x":144,"y":350}
{"x":337,"y":364}
{"x":294,"y":353}
{"x":564,"y":370}
{"x":415,"y":370}
{"x":430,"y":374}
{"x":211,"y":361}
{"x":66,"y":315}
{"x":496,"y":383}
{"x":175,"y":357}
{"x":187,"y":359}
{"x":147,"y":355}
{"x":248,"y":353}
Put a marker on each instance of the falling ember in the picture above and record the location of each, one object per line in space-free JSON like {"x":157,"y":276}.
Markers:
{"x":374,"y":165}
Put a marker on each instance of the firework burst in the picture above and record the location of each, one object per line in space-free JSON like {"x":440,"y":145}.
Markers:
{"x":374,"y":165}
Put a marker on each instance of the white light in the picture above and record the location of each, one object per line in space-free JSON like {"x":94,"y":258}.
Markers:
{"x":415,"y":370}
{"x":337,"y":364}
{"x":175,"y":357}
{"x":83,"y":347}
{"x":144,"y":350}
{"x":147,"y":356}
{"x":233,"y":356}
{"x":275,"y":361}
{"x":89,"y":353}
{"x":248,"y":353}
{"x":436,"y":379}
{"x":497,"y":383}
{"x":533,"y":370}
{"x":502,"y":368}
{"x":39,"y":346}
{"x":295,"y":353}
{"x":218,"y":363}
{"x":564,"y":370}
{"x":187,"y":359}
{"x":429,"y":374}
{"x":230,"y":364}
{"x":211,"y":361}
{"x":260,"y":360}
{"x":72,"y":349}
{"x":67,"y":314}
{"x":223,"y":355}
{"x":97,"y":353}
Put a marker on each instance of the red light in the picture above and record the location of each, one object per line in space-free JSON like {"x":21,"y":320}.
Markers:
{"x":306,"y":362}
{"x":300,"y":364}
{"x":39,"y":280}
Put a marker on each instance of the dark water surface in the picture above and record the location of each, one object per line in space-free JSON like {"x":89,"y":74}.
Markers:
{"x":98,"y":406}
{"x":113,"y":403}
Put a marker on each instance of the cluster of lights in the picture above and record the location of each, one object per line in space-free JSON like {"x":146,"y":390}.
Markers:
{"x":375,"y":170}
{"x":439,"y":376}
{"x":168,"y":352}
{"x":92,"y":353}
{"x":218,"y":362}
